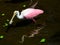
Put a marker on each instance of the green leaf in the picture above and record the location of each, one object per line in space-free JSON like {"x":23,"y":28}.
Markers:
{"x":24,"y":5}
{"x":1,"y":36}
{"x":3,"y":14}
{"x":43,"y":40}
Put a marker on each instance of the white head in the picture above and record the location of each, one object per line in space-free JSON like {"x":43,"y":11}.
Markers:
{"x":19,"y":16}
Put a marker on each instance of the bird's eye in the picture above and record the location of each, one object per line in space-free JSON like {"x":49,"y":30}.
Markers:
{"x":15,"y":13}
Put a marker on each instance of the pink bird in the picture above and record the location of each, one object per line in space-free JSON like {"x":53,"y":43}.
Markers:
{"x":28,"y":13}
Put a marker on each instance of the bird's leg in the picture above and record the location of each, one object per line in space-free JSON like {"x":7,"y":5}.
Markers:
{"x":12,"y":18}
{"x":34,"y":20}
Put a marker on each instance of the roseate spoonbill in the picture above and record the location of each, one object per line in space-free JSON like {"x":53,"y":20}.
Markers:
{"x":28,"y":13}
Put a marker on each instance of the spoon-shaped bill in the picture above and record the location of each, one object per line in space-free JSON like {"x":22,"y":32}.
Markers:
{"x":11,"y":21}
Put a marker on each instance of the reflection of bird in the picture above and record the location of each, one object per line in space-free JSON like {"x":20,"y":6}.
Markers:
{"x":28,"y":13}
{"x":31,"y":34}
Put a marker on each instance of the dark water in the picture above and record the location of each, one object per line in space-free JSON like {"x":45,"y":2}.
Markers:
{"x":51,"y":17}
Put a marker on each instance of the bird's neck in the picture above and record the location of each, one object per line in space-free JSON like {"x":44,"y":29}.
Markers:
{"x":18,"y":14}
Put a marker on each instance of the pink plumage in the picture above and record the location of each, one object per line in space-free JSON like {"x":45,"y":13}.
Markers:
{"x":31,"y":13}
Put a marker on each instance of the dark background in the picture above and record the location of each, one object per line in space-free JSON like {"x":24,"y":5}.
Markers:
{"x":51,"y":17}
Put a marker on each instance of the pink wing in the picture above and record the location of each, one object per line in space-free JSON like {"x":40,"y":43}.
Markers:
{"x":33,"y":13}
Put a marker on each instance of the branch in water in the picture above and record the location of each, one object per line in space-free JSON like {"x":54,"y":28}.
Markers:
{"x":32,"y":34}
{"x":22,"y":40}
{"x":35,"y":32}
{"x":30,"y":2}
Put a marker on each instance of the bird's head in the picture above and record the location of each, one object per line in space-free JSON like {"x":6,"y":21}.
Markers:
{"x":19,"y":16}
{"x":16,"y":12}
